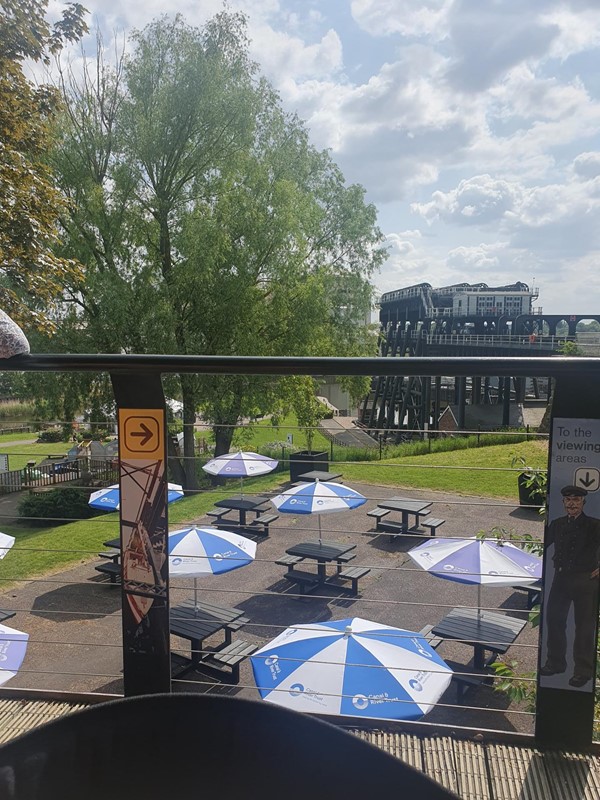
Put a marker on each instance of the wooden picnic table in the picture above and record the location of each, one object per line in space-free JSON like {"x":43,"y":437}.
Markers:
{"x":323,"y":553}
{"x":196,"y":621}
{"x":318,"y":475}
{"x":482,"y":630}
{"x":406,"y":507}
{"x":243,"y":504}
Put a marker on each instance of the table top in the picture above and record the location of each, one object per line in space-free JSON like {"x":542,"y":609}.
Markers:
{"x":318,"y":475}
{"x":239,"y":503}
{"x":115,"y":543}
{"x":403,"y":504}
{"x":494,"y":631}
{"x":323,"y":551}
{"x":200,"y":620}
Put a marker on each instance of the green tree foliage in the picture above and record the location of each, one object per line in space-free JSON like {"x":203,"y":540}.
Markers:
{"x":206,"y":221}
{"x":29,"y":201}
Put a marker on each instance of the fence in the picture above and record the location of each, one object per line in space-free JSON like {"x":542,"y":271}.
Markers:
{"x":56,"y":472}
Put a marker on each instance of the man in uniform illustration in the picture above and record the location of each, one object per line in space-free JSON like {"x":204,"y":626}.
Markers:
{"x":576,"y":540}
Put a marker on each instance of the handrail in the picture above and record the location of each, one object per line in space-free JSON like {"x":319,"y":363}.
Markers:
{"x":554,"y":366}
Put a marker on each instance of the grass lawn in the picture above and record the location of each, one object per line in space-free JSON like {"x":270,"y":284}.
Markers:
{"x":263,"y":433}
{"x":481,"y":471}
{"x":20,"y":454}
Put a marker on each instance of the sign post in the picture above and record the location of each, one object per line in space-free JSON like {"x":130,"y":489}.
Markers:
{"x":569,"y":618}
{"x":144,"y":533}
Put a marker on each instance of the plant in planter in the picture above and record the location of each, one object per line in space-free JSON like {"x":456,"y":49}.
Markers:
{"x":309,"y":411}
{"x":532,"y":483}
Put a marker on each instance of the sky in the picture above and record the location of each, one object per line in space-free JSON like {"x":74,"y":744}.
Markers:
{"x":473,"y":125}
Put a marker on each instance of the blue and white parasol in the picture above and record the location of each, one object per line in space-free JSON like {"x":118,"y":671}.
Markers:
{"x":353,"y":667}
{"x":207,"y":551}
{"x":478,"y":561}
{"x":240,"y":465}
{"x":108,"y":498}
{"x":13,"y":646}
{"x":6,"y":542}
{"x":320,"y":497}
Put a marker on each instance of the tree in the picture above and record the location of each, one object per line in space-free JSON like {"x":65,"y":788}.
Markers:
{"x":206,"y":221}
{"x":29,"y":201}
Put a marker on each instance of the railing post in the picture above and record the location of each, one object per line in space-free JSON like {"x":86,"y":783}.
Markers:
{"x":144,"y":527}
{"x":568,"y":627}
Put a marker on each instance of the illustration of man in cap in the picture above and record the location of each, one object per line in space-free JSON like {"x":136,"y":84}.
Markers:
{"x":576,"y":540}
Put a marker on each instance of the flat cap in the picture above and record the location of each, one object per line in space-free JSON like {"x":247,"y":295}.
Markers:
{"x":573,"y":491}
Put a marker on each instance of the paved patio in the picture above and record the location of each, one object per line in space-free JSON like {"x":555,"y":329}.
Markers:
{"x":73,"y":617}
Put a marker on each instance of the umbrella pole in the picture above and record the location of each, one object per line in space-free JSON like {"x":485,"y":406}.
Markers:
{"x":196,"y":596}
{"x":319,"y":518}
{"x":478,"y":601}
{"x":241,"y":487}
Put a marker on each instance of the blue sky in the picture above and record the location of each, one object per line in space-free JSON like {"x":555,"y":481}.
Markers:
{"x":472,"y":124}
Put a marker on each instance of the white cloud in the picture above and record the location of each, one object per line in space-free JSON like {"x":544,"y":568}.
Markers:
{"x":406,"y":17}
{"x":587,"y":165}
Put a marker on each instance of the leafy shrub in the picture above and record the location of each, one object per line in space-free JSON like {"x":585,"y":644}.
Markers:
{"x":52,"y":435}
{"x":56,"y":504}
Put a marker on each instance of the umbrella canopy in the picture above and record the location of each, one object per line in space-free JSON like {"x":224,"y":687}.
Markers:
{"x":207,"y":551}
{"x":13,"y":646}
{"x":109,"y":497}
{"x":320,"y":497}
{"x":482,"y":561}
{"x":6,"y":542}
{"x":240,"y":465}
{"x":353,"y":667}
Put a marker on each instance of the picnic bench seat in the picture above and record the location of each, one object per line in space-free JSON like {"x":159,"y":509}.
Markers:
{"x":217,"y":513}
{"x":289,"y":561}
{"x":111,"y":569}
{"x":238,"y":623}
{"x":354,"y":574}
{"x":467,"y":677}
{"x":345,"y":558}
{"x":378,"y":513}
{"x":111,"y":555}
{"x":533,"y":590}
{"x":227,"y":660}
{"x":432,"y":524}
{"x":305,"y":580}
{"x":263,"y":521}
{"x":432,"y":640}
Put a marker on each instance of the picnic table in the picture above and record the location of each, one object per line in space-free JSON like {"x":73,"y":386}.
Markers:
{"x":196,"y":621}
{"x":405,"y":507}
{"x":482,"y":630}
{"x":243,"y":504}
{"x":318,"y":475}
{"x":322,"y":552}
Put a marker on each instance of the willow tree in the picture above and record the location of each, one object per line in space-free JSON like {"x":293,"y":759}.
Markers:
{"x":207,"y":222}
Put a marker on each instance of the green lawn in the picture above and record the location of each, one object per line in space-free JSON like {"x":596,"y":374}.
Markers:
{"x":20,"y":454}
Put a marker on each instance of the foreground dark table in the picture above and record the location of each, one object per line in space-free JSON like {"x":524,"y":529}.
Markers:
{"x":197,"y":621}
{"x":484,"y":630}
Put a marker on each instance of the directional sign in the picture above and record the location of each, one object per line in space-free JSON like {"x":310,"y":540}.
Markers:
{"x":588,"y":478}
{"x":141,"y":433}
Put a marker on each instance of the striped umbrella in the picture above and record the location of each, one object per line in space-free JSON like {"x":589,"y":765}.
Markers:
{"x":240,"y":465}
{"x":13,"y":646}
{"x":108,"y":498}
{"x":353,"y":667}
{"x":207,"y":551}
{"x":319,"y":497}
{"x":478,"y":561}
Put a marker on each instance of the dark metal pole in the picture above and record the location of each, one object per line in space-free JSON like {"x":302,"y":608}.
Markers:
{"x":144,"y":533}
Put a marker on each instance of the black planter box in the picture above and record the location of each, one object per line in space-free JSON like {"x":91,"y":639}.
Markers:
{"x":305,"y":462}
{"x":528,"y":495}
